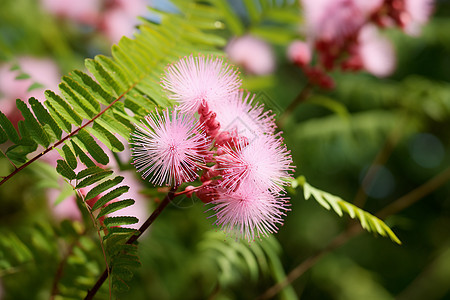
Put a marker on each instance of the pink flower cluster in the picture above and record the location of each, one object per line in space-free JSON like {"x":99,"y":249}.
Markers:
{"x":344,"y":34}
{"x":220,"y":135}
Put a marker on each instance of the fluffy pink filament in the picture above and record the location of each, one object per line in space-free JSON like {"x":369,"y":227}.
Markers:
{"x":264,"y":163}
{"x":193,"y":80}
{"x":248,"y":212}
{"x":241,"y":114}
{"x":169,"y":148}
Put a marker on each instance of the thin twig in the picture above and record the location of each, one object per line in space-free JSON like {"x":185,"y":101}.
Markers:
{"x":355,"y":229}
{"x":169,"y":197}
{"x":301,"y":97}
{"x":17,"y":170}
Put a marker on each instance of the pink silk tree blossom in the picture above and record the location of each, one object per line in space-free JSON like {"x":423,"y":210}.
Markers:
{"x":193,"y":80}
{"x":253,"y":54}
{"x":264,"y":163}
{"x":169,"y":148}
{"x":241,"y":113}
{"x":249,"y":212}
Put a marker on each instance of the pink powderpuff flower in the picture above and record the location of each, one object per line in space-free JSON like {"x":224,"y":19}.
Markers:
{"x":249,"y":212}
{"x":336,"y":20}
{"x":241,"y":115}
{"x":333,"y":25}
{"x":253,"y":54}
{"x":419,"y":12}
{"x":193,"y":80}
{"x":376,"y":52}
{"x":299,"y":53}
{"x":81,"y":11}
{"x":121,"y":18}
{"x":170,"y":148}
{"x":264,"y":163}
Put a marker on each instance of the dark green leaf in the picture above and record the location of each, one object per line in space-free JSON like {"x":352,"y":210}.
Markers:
{"x":118,"y":221}
{"x":83,"y":157}
{"x":44,"y":117}
{"x":94,"y":192}
{"x":65,"y":170}
{"x":9,"y":128}
{"x":115,"y":206}
{"x":32,"y":125}
{"x":89,"y":171}
{"x":110,"y":196}
{"x":3,"y":136}
{"x":70,"y":157}
{"x":93,"y":179}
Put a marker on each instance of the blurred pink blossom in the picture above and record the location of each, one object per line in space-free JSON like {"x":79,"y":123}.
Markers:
{"x":336,"y":20}
{"x":419,"y":12}
{"x":120,"y":19}
{"x":253,"y":54}
{"x":42,"y":71}
{"x":299,"y":53}
{"x":377,"y":53}
{"x":81,"y":11}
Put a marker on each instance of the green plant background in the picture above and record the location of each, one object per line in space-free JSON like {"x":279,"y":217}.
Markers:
{"x":334,"y":137}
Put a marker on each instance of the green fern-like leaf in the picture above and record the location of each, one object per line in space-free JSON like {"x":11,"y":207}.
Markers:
{"x":368,"y":221}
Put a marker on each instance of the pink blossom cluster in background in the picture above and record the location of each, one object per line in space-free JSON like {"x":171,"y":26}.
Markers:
{"x":41,"y":72}
{"x":254,"y":55}
{"x":220,"y":135}
{"x":112,"y":18}
{"x":345,"y":34}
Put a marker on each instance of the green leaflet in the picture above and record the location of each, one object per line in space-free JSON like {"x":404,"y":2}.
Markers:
{"x":95,"y":191}
{"x":3,"y":136}
{"x":118,"y":221}
{"x":63,"y":108}
{"x":69,"y":157}
{"x":368,"y":221}
{"x":93,"y":179}
{"x":110,"y":196}
{"x":9,"y":128}
{"x":106,"y":137}
{"x":65,"y":170}
{"x":59,"y":119}
{"x":92,"y":147}
{"x":86,"y":99}
{"x":115,"y":206}
{"x":92,"y":87}
{"x":80,"y":153}
{"x":44,"y":117}
{"x":103,"y":76}
{"x":80,"y":105}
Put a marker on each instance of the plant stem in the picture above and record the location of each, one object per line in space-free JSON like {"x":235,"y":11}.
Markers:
{"x":169,"y":197}
{"x":355,"y":229}
{"x":17,"y":170}
{"x":301,"y":97}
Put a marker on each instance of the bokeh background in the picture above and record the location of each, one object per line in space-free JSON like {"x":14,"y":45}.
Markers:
{"x":395,"y":127}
